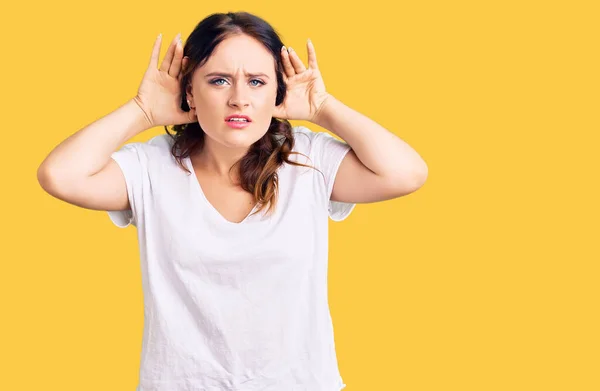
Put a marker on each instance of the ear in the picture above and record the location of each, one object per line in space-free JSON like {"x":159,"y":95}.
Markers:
{"x":188,"y":87}
{"x":188,"y":92}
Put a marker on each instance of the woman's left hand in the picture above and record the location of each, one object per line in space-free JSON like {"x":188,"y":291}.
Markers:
{"x":306,"y":92}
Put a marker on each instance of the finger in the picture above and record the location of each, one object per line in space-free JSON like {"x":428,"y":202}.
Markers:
{"x":184,"y":63}
{"x":155,"y":52}
{"x":296,"y":62}
{"x":176,"y":64}
{"x":164,"y":66}
{"x":312,"y":55}
{"x":287,"y":65}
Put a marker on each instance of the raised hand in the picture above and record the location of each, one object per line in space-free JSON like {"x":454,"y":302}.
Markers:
{"x":159,"y":94}
{"x":306,"y":92}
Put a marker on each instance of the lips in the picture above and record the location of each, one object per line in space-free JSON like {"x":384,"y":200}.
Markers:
{"x":238,"y":116}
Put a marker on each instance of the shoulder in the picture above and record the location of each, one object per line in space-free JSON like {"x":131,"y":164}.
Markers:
{"x":161,"y":142}
{"x":303,"y":131}
{"x":159,"y":145}
{"x":146,"y":153}
{"x":311,"y":142}
{"x":304,"y":139}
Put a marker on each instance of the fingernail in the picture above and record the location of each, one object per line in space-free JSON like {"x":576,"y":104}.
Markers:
{"x":290,"y":50}
{"x":309,"y":41}
{"x":283,"y":48}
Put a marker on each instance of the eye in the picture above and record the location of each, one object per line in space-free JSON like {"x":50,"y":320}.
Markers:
{"x":258,"y":80}
{"x":215,"y":82}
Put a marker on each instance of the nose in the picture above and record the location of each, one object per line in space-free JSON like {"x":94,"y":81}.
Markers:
{"x":239,"y":97}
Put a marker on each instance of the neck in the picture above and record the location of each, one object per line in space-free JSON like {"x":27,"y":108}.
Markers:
{"x":217,"y":160}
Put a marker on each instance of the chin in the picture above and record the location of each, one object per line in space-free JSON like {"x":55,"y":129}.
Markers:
{"x":246,"y":136}
{"x":236,"y":138}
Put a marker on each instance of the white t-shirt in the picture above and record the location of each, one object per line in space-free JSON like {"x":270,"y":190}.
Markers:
{"x":234,"y":306}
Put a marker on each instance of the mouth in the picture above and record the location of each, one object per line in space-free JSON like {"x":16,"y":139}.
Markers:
{"x":238,"y":121}
{"x":238,"y":118}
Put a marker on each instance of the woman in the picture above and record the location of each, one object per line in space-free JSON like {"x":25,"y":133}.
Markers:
{"x":232,"y":211}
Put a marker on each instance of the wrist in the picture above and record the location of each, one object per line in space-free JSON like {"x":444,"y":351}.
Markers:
{"x":323,"y":111}
{"x":143,"y":116}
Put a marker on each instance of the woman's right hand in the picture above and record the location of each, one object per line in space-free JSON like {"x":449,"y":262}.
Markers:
{"x":159,"y":94}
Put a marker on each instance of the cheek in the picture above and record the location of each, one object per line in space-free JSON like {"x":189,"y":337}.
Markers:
{"x":209,"y":108}
{"x":266,"y":100}
{"x":209,"y":99}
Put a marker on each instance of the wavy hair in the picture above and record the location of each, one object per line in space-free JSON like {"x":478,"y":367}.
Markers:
{"x":258,"y":168}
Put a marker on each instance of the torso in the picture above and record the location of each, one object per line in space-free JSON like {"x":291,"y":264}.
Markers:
{"x":233,"y":305}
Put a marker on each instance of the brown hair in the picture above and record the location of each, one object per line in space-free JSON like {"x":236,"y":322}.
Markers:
{"x":258,"y":168}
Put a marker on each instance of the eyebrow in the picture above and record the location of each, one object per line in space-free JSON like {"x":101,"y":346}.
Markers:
{"x":230,"y":75}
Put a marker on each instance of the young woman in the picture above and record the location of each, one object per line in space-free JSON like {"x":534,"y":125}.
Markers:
{"x":232,"y":210}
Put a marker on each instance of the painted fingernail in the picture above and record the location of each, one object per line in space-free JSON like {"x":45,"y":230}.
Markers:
{"x":283,"y":48}
{"x":290,"y":50}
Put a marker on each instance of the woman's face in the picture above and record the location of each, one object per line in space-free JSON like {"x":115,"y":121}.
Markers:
{"x":238,"y":78}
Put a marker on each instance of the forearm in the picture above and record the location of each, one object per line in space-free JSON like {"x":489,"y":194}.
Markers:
{"x":87,"y":151}
{"x":378,"y":149}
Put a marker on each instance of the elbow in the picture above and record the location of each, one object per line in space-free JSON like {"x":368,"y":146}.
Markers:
{"x":410,"y":182}
{"x":47,"y":179}
{"x":43,"y":177}
{"x":420,"y":176}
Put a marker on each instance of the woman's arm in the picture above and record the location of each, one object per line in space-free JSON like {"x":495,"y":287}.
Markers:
{"x":79,"y":169}
{"x":380,"y":165}
{"x":87,"y":151}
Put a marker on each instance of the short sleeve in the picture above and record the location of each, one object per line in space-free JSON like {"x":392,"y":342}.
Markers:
{"x":131,"y":160}
{"x":328,"y":152}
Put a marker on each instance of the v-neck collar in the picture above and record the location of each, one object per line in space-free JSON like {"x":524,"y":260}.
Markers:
{"x":210,"y":206}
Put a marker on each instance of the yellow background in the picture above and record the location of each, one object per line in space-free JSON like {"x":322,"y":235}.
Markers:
{"x":484,"y":279}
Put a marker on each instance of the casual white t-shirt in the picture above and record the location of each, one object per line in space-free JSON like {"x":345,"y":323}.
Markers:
{"x":234,"y":306}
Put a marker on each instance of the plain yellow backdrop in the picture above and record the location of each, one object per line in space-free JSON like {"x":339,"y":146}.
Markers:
{"x":484,"y":279}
